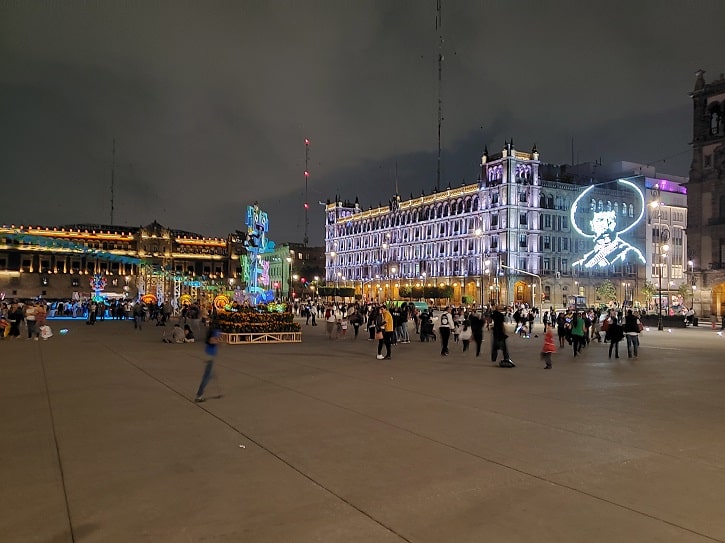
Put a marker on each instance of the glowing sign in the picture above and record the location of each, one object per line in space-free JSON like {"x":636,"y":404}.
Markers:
{"x":609,"y":247}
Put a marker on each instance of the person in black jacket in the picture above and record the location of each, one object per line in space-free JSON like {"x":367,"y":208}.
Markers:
{"x":631,"y":332}
{"x":476,"y":323}
{"x":616,"y":334}
{"x":499,"y":336}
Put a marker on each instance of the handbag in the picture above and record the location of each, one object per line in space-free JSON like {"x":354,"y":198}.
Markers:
{"x":379,"y":334}
{"x":640,"y":326}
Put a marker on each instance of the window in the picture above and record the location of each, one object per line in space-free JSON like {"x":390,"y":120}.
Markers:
{"x":547,"y":221}
{"x":494,"y":198}
{"x":494,"y":220}
{"x":522,"y":219}
{"x":564,"y":222}
{"x":522,"y":241}
{"x":547,"y":242}
{"x":631,"y":210}
{"x":494,"y":242}
{"x":522,"y":196}
{"x":564,"y":244}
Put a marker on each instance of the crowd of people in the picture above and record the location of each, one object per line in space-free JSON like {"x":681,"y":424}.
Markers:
{"x":394,"y":324}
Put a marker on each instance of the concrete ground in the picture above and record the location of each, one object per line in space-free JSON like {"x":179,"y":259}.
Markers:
{"x":320,"y":441}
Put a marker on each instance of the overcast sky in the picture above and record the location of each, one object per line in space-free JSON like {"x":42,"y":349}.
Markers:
{"x":210,"y":102}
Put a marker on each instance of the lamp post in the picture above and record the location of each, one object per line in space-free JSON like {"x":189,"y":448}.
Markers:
{"x":479,"y":234}
{"x":337,"y":284}
{"x":663,"y":256}
{"x":662,"y":250}
{"x":691,"y":263}
{"x":292,"y":285}
{"x":289,"y":275}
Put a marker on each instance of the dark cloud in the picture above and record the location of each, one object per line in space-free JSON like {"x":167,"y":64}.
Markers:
{"x":210,"y":102}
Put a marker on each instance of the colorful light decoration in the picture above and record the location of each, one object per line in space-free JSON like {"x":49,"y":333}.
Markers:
{"x":98,"y":283}
{"x":609,"y":247}
{"x":254,"y":268}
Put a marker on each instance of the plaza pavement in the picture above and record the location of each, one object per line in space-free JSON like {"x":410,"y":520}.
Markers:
{"x":321,"y":442}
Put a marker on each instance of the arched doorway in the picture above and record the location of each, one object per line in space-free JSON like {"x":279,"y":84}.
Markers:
{"x":522,"y":293}
{"x":717,"y":301}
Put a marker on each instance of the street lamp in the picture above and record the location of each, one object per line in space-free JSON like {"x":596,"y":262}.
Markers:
{"x":289,"y":274}
{"x":663,"y":257}
{"x":294,"y":277}
{"x":478,"y":232}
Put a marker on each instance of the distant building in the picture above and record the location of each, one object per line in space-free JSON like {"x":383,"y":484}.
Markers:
{"x":56,"y":262}
{"x":706,"y":227}
{"x":527,"y":232}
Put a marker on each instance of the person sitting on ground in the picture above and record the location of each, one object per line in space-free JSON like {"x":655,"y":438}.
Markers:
{"x":188,"y":334}
{"x":177,"y":335}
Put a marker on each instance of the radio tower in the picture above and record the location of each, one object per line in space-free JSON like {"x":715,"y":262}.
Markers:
{"x":439,"y":28}
{"x":307,"y":176}
{"x":113,"y":178}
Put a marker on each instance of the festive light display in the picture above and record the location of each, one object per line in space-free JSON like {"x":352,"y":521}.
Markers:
{"x":609,"y":247}
{"x":255,"y":269}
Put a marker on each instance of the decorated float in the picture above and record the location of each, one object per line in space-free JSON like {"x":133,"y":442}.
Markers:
{"x":250,"y":315}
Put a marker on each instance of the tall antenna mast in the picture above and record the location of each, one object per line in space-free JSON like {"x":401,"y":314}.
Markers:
{"x":113,"y":177}
{"x":439,"y":28}
{"x":307,"y":176}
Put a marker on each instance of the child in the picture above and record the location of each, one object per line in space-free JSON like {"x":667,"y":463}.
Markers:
{"x":457,"y":330}
{"x":466,"y":335}
{"x":343,"y":327}
{"x":549,"y":348}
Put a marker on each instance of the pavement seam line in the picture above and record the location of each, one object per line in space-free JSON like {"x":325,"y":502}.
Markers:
{"x":263,"y":447}
{"x":474,"y":455}
{"x":57,"y":447}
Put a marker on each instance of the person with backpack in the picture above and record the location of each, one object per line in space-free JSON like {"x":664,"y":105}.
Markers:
{"x":445,"y":323}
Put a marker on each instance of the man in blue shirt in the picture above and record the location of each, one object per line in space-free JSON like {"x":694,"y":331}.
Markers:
{"x":212,"y":346}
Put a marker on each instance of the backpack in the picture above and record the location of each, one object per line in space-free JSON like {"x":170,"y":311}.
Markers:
{"x":444,"y":320}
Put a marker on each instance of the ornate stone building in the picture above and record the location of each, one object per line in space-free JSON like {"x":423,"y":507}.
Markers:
{"x":56,"y":262}
{"x":706,"y":228}
{"x":523,"y":233}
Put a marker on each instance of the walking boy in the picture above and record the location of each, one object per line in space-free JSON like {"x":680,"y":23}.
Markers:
{"x":212,"y":346}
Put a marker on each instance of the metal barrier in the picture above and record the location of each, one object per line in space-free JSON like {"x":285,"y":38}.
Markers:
{"x":262,"y":337}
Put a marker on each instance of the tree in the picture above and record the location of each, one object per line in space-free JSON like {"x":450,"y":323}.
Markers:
{"x":648,"y":291}
{"x":405,"y":291}
{"x":445,"y":291}
{"x":606,"y":291}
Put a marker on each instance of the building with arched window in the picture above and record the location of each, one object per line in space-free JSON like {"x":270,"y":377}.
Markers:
{"x":521,"y":234}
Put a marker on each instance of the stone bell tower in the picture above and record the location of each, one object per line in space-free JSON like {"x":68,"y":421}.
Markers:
{"x":706,"y":193}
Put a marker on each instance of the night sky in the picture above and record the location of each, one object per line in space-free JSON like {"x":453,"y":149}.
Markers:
{"x":210,"y":102}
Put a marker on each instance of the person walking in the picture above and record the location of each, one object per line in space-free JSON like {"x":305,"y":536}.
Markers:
{"x":384,"y":325}
{"x":444,"y":328}
{"x":499,"y":335}
{"x":549,"y":348}
{"x":616,"y":334}
{"x":577,"y":333}
{"x":466,"y":335}
{"x":211,"y":349}
{"x":476,"y":321}
{"x":632,"y":328}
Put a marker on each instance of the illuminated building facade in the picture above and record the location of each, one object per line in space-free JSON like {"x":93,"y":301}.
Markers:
{"x":55,"y":262}
{"x":515,"y":236}
{"x":706,"y":228}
